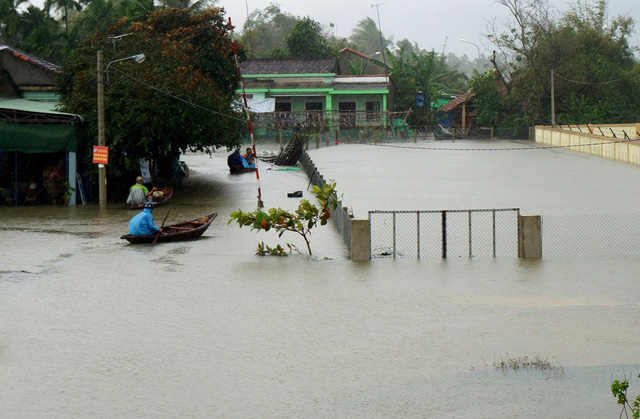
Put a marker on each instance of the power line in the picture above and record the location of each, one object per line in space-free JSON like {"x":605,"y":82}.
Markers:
{"x":594,"y":83}
{"x":178,"y":98}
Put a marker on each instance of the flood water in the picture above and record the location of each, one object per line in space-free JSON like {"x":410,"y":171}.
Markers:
{"x":93,"y":327}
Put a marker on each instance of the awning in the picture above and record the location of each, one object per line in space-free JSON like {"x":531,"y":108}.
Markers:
{"x":36,"y":138}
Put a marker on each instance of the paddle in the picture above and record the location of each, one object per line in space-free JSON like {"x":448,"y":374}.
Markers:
{"x":164,"y":221}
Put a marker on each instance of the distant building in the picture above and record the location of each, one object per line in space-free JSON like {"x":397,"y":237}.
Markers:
{"x":38,"y":144}
{"x":351,"y":91}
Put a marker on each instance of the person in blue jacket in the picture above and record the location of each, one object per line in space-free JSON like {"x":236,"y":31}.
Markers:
{"x":142,"y":224}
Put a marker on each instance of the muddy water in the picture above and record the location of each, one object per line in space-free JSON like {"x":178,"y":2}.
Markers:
{"x":93,"y":327}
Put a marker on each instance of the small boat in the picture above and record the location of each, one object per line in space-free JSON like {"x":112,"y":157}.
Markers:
{"x":187,"y":230}
{"x":234,"y":170}
{"x":159,"y":199}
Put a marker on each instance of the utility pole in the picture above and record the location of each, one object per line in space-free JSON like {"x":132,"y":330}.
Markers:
{"x":553,"y":103}
{"x":102,"y":169}
{"x":384,"y":56}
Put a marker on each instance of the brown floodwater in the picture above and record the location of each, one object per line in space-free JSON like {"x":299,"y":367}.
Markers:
{"x":91,"y":326}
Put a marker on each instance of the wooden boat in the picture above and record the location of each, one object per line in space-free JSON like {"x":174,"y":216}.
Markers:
{"x":234,"y":170}
{"x":158,"y":201}
{"x":187,"y":230}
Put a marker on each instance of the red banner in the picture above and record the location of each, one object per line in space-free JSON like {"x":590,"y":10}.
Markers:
{"x":100,"y":154}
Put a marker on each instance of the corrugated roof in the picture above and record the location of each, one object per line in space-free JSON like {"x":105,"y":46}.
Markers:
{"x":21,"y":55}
{"x":360,"y":86}
{"x":455,"y":102}
{"x":32,"y":106}
{"x":287,"y":85}
{"x":288,"y":66}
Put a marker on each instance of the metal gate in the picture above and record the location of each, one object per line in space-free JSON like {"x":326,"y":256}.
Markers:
{"x":444,"y":233}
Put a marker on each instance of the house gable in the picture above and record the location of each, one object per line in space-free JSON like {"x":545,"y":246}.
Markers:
{"x":24,"y":75}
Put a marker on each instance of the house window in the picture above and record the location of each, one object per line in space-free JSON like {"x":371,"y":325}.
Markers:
{"x":282,"y":115}
{"x":283,"y":106}
{"x":347,"y":111}
{"x":314,"y":111}
{"x":373,"y":111}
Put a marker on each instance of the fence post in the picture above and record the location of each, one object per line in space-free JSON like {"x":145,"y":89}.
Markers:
{"x":360,"y":240}
{"x":444,"y":234}
{"x":470,"y":238}
{"x":530,"y":236}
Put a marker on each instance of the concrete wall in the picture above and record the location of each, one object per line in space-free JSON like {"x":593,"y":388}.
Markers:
{"x":530,"y":236}
{"x":590,"y":139}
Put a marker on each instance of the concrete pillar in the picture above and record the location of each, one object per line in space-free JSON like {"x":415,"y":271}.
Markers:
{"x":360,"y":240}
{"x":530,"y":236}
{"x":71,"y":176}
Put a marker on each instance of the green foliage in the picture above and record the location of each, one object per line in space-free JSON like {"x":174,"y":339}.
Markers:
{"x":307,"y":41}
{"x":366,"y":38}
{"x":488,"y":98}
{"x":619,"y":390}
{"x":178,"y":98}
{"x":264,"y":32}
{"x":266,"y":250}
{"x":596,"y":77}
{"x":422,"y":72}
{"x":301,"y":221}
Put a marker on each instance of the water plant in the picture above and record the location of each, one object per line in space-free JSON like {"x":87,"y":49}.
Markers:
{"x":301,"y":221}
{"x":619,"y":390}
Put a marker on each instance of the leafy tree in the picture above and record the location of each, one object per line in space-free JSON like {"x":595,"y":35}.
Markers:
{"x":10,"y":17}
{"x":179,"y":97}
{"x":189,"y":4}
{"x":619,"y":389}
{"x":42,"y":35}
{"x":307,"y":41}
{"x":138,"y":10}
{"x":488,"y":99}
{"x":264,"y":32}
{"x":99,"y":16}
{"x":301,"y":221}
{"x":366,"y":38}
{"x":426,"y":74}
{"x":595,"y":73}
{"x":66,"y":6}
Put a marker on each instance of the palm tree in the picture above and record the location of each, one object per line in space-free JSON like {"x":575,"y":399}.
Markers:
{"x":366,"y":38}
{"x":66,"y":6}
{"x":10,"y":16}
{"x":189,"y":4}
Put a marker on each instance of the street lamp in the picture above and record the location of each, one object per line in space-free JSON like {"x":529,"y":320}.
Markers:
{"x":102,"y":169}
{"x":477,"y":47}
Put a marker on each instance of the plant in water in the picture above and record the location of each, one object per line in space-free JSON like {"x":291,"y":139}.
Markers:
{"x":619,"y":390}
{"x":266,"y":250}
{"x":301,"y":221}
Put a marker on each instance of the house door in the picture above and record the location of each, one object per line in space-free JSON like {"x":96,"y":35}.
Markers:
{"x":347,"y":112}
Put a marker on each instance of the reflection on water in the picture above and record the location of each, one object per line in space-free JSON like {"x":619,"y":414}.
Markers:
{"x":93,"y":327}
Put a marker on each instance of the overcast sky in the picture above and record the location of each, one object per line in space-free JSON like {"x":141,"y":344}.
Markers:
{"x":437,"y":25}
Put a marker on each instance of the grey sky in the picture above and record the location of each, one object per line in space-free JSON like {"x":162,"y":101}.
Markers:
{"x":437,"y":25}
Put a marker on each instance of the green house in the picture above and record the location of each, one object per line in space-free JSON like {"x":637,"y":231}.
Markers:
{"x":351,"y":91}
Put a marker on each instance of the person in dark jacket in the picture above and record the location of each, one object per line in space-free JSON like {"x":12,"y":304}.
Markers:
{"x":142,"y":224}
{"x":234,"y":160}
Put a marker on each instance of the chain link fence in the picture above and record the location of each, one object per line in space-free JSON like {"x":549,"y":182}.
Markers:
{"x":590,"y":234}
{"x":341,"y":217}
{"x":444,"y":234}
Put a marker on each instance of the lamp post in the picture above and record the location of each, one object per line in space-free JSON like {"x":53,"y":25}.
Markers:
{"x":477,"y":47}
{"x":102,"y":169}
{"x":384,"y":58}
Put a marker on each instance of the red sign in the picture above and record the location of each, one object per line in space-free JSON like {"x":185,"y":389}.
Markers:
{"x":100,"y":154}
